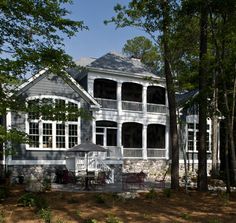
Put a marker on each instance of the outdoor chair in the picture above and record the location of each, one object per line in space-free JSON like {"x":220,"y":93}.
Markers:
{"x":131,"y":180}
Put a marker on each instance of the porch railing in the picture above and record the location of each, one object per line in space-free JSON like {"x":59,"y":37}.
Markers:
{"x":156,"y":108}
{"x":107,"y":103}
{"x":132,"y":152}
{"x":132,"y":106}
{"x":114,"y":152}
{"x":156,"y":153}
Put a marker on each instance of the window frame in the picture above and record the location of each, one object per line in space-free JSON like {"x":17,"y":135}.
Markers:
{"x":195,"y":130}
{"x":54,"y":123}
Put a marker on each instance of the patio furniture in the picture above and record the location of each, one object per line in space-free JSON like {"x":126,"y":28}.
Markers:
{"x":130,"y":180}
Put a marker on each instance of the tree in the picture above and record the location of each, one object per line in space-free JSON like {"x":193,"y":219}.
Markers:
{"x":30,"y":40}
{"x":142,"y":48}
{"x":155,"y":17}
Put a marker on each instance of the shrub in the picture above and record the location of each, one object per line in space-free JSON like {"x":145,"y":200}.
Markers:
{"x":47,"y":185}
{"x":167,"y":192}
{"x":46,"y":215}
{"x":152,"y":194}
{"x":99,"y":198}
{"x":185,"y":216}
{"x":32,"y":200}
{"x":113,"y":219}
{"x":4,"y":192}
{"x":2,"y":216}
{"x":92,"y":220}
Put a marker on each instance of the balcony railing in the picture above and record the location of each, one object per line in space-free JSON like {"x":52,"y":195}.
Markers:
{"x":156,"y":108}
{"x":156,"y":153}
{"x":132,"y":106}
{"x":133,"y":152}
{"x":107,"y":103}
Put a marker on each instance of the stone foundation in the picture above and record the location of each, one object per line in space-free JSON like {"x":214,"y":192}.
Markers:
{"x":155,"y":169}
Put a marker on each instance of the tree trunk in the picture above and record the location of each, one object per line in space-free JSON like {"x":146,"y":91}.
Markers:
{"x":171,"y":99}
{"x":215,"y":150}
{"x":202,"y":155}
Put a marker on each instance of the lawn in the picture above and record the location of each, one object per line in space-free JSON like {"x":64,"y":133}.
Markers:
{"x":152,"y":206}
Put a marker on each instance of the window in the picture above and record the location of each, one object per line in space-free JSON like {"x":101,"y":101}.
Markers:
{"x":193,"y":137}
{"x":106,"y":133}
{"x":50,"y":125}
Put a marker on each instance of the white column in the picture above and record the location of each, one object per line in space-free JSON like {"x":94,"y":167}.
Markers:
{"x":119,"y":137}
{"x":7,"y":159}
{"x":167,"y":140}
{"x":91,"y":87}
{"x":144,"y":100}
{"x":144,"y":141}
{"x":93,"y":129}
{"x":119,"y":98}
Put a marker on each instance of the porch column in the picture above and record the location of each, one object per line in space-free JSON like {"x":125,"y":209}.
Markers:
{"x":119,"y":98}
{"x":119,"y":137}
{"x":7,"y":159}
{"x":93,"y":130}
{"x":144,"y":100}
{"x":91,"y":86}
{"x":167,"y":147}
{"x":144,"y":141}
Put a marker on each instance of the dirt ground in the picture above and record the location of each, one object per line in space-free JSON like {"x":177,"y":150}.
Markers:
{"x":70,"y":207}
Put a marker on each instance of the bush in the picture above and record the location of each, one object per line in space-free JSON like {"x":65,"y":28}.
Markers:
{"x":167,"y":192}
{"x":152,"y":194}
{"x":113,"y":219}
{"x":99,"y":198}
{"x":92,"y":220}
{"x":4,"y":192}
{"x":33,"y":200}
{"x":47,"y":185}
{"x":46,"y":215}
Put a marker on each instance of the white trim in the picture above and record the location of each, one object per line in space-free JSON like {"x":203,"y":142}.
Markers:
{"x":34,"y":77}
{"x":37,"y":162}
{"x":193,"y":161}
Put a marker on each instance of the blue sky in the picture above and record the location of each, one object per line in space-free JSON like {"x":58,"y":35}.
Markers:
{"x":99,"y":39}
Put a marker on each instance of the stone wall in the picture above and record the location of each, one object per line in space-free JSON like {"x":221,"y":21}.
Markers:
{"x":155,"y":169}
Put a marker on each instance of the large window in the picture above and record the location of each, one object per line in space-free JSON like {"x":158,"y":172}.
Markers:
{"x":193,"y":137}
{"x":50,"y":125}
{"x":106,"y":133}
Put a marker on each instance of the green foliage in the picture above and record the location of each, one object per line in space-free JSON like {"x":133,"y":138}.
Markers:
{"x":47,"y":184}
{"x":167,"y":192}
{"x":33,"y":200}
{"x":142,"y":48}
{"x":91,"y":220}
{"x":2,"y":216}
{"x":185,"y":216}
{"x":113,"y":219}
{"x":78,"y":213}
{"x":46,"y":215}
{"x":214,"y":221}
{"x":224,"y":197}
{"x":4,"y":192}
{"x":152,"y":194}
{"x":100,"y":199}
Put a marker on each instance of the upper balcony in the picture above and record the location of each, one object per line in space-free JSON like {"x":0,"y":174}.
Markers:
{"x":130,"y":96}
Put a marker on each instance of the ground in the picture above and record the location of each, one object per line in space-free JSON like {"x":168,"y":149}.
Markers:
{"x":160,"y":206}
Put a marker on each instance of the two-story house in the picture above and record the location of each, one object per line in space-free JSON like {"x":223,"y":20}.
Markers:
{"x":130,"y":117}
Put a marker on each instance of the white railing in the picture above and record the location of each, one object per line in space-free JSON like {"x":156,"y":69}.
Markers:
{"x":114,"y":152}
{"x":132,"y":106}
{"x":156,"y":153}
{"x":157,"y":108}
{"x":107,"y":103}
{"x":132,"y":152}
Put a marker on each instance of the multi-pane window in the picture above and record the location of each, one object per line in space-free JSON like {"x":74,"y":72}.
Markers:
{"x":106,"y":133}
{"x":60,"y":136}
{"x":34,"y":135}
{"x":51,"y":126}
{"x":193,"y":137}
{"x":73,"y":135}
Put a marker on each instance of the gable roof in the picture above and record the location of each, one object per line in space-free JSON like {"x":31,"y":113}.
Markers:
{"x":37,"y":77}
{"x":184,"y":98}
{"x":118,"y":62}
